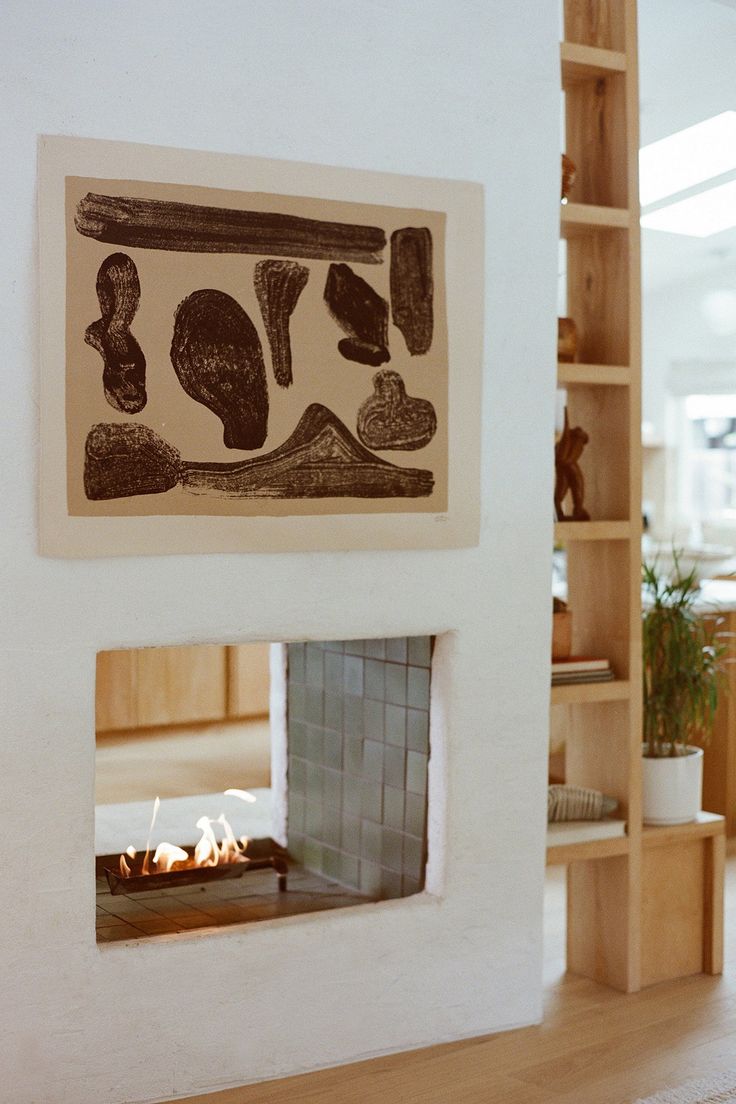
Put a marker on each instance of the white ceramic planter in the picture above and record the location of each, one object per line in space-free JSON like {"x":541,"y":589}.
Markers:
{"x":673,"y":788}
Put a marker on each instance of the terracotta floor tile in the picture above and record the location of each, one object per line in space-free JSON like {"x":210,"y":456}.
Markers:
{"x":115,"y":933}
{"x":157,"y":925}
{"x":252,"y":898}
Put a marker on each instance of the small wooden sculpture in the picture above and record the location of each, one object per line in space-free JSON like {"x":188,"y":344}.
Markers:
{"x":569,"y":173}
{"x":567,"y":341}
{"x":568,"y":475}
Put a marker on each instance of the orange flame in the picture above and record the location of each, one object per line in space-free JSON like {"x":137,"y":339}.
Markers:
{"x":244,"y":795}
{"x":156,"y":807}
{"x":230,"y":849}
{"x":207,"y":852}
{"x":168,"y":856}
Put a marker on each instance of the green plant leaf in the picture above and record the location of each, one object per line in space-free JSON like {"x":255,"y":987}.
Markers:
{"x":684,"y":657}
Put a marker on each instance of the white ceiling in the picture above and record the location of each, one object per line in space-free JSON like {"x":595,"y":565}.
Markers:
{"x":687,"y":73}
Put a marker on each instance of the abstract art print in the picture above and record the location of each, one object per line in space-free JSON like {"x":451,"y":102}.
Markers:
{"x":241,"y":354}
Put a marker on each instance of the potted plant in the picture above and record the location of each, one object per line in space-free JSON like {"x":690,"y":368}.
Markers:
{"x":683,"y":666}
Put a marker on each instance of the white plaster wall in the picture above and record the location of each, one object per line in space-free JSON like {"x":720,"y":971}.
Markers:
{"x":461,"y":88}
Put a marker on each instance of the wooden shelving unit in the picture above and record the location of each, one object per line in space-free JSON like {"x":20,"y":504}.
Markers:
{"x":586,"y":851}
{"x":592,"y":375}
{"x":580,"y":220}
{"x":577,"y":693}
{"x":580,"y":63}
{"x":682,"y":869}
{"x":616,"y":934}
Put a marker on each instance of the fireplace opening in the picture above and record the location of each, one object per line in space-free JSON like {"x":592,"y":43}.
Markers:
{"x":239,"y":783}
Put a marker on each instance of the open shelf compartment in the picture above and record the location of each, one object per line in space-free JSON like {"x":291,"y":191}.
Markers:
{"x":594,"y":842}
{"x":580,"y":64}
{"x":593,"y":375}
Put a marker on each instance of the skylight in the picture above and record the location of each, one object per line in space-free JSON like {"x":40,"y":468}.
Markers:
{"x":687,"y":158}
{"x":699,"y":216}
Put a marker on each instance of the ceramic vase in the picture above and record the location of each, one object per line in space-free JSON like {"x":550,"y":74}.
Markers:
{"x":672,"y":787}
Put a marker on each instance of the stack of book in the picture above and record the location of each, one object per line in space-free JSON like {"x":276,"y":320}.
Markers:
{"x":580,"y":669}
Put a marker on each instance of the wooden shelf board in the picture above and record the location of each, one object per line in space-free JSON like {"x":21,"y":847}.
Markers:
{"x":564,"y":853}
{"x":587,"y":218}
{"x":706,"y":824}
{"x":592,"y":530}
{"x":581,"y":63}
{"x":583,"y":375}
{"x":574,"y":692}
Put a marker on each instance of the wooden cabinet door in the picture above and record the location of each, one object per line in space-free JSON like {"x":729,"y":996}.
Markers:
{"x":115,"y":691}
{"x":145,"y":687}
{"x":248,"y":680}
{"x":148,"y":687}
{"x":181,"y":685}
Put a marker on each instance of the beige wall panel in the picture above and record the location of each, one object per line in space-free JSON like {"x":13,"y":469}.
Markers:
{"x":181,"y":685}
{"x":248,"y":680}
{"x":115,"y":705}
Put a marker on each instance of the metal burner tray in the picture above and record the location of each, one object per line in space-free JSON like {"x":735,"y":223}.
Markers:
{"x":174,"y":879}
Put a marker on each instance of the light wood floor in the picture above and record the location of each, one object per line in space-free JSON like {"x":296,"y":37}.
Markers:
{"x":179,"y":761}
{"x":595,"y":1046}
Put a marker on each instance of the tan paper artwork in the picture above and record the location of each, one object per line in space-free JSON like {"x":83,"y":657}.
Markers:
{"x":285,"y":364}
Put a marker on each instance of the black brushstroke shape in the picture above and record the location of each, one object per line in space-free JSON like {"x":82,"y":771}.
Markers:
{"x":195,"y":228}
{"x":128,"y":459}
{"x":216,"y":353}
{"x":412,"y":287}
{"x":124,"y":372}
{"x":361,"y":312}
{"x":321,"y":459}
{"x":278,"y":286}
{"x":391,"y":419}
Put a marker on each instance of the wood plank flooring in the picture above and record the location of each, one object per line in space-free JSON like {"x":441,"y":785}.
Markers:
{"x":595,"y":1046}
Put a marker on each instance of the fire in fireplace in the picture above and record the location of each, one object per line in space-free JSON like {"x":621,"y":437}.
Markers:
{"x":332,"y":787}
{"x":172,"y":867}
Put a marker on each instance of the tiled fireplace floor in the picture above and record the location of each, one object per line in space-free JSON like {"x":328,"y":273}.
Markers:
{"x":252,"y":897}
